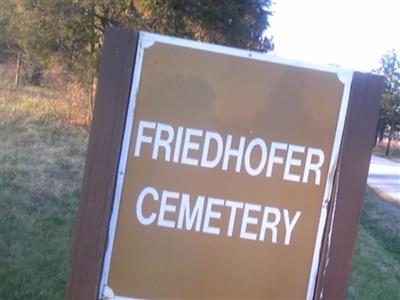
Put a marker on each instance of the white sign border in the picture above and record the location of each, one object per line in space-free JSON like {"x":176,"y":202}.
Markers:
{"x":147,"y":40}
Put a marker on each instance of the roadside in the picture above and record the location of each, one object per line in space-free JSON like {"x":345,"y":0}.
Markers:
{"x":384,"y":177}
{"x":376,"y":257}
{"x":394,"y":153}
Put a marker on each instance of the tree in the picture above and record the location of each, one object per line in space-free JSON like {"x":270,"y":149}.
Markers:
{"x":30,"y":33}
{"x":72,"y":32}
{"x":390,"y":103}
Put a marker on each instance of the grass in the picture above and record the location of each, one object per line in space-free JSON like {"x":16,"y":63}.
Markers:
{"x":376,"y":258}
{"x":41,"y":163}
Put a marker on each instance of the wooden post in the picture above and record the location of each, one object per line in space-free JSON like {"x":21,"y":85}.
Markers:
{"x":348,"y":191}
{"x":104,"y":148}
{"x":17,"y":71}
{"x":97,"y":191}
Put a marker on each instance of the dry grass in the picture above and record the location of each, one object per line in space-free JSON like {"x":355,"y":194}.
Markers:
{"x":41,"y":163}
{"x":57,"y":102}
{"x":45,"y":106}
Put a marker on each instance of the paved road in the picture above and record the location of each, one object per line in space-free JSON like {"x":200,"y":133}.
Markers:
{"x":384,"y":175}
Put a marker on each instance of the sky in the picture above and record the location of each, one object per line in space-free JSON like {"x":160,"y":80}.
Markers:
{"x":350,"y":33}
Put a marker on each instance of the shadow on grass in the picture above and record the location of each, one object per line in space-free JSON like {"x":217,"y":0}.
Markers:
{"x":376,"y":258}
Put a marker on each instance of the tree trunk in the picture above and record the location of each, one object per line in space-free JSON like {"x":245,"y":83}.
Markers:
{"x":389,"y":142}
{"x":391,"y":132}
{"x":381,"y":134}
{"x":16,"y":81}
{"x":36,"y":76}
{"x":92,"y":97}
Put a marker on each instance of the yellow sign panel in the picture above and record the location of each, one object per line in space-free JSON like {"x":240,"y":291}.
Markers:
{"x":225,"y":174}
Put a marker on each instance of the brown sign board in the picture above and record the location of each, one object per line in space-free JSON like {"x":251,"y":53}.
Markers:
{"x":225,"y":180}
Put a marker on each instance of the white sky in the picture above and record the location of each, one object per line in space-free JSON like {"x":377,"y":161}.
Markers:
{"x":350,"y":33}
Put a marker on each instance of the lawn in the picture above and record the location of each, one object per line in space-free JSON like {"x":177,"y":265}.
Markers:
{"x":376,"y":257}
{"x":41,"y":163}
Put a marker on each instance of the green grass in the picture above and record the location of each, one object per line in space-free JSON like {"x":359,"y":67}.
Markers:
{"x":41,"y":163}
{"x":376,"y":258}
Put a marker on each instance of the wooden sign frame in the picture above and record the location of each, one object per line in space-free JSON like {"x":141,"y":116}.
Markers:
{"x":104,"y":149}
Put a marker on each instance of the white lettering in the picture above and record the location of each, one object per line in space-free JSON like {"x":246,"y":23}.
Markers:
{"x":229,"y":152}
{"x":210,"y":214}
{"x":185,"y":212}
{"x":249,"y":220}
{"x":141,"y":138}
{"x":190,"y":219}
{"x":139,"y":206}
{"x":273,"y":158}
{"x":289,"y":225}
{"x":178,"y":143}
{"x":316,"y":167}
{"x":164,"y":143}
{"x":190,"y":145}
{"x":263,"y":157}
{"x":234,"y":205}
{"x":290,"y":161}
{"x":271,"y":225}
{"x":209,"y":136}
{"x":165,"y":207}
{"x":183,"y":145}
